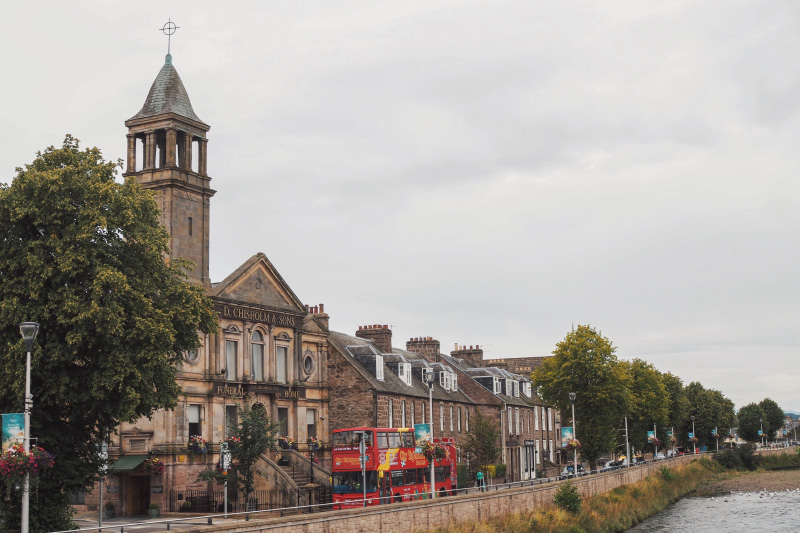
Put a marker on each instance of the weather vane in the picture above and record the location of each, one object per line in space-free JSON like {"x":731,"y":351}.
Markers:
{"x":168,"y":29}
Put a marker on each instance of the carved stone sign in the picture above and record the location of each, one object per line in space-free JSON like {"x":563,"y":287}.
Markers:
{"x":257,"y":315}
{"x":240,"y":389}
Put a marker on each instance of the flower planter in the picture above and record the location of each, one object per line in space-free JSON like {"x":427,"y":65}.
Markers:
{"x":153,"y":511}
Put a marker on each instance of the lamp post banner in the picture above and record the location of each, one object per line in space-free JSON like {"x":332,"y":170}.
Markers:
{"x":650,"y":436}
{"x":422,"y":434}
{"x":566,"y":436}
{"x":13,"y":429}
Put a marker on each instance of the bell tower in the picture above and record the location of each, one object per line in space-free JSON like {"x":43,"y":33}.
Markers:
{"x":167,"y":153}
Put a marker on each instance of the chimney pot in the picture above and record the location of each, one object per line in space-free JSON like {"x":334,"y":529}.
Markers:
{"x":385,"y":326}
{"x":322,"y":308}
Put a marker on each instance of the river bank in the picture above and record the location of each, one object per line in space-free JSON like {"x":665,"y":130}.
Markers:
{"x":772,"y":481}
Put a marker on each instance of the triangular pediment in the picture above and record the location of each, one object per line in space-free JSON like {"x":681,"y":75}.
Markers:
{"x":258,"y":283}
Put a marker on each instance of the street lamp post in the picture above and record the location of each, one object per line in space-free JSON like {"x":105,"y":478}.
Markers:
{"x":28,"y":330}
{"x":761,"y":421}
{"x":572,"y":397}
{"x":694,"y":436}
{"x":428,"y":377}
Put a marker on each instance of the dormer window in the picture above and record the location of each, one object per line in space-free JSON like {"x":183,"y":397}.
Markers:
{"x":496,"y":385}
{"x":379,"y":367}
{"x":444,"y":380}
{"x":514,"y":389}
{"x":404,"y":372}
{"x":526,"y":388}
{"x":454,"y":382}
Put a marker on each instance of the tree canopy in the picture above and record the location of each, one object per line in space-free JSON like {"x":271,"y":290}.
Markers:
{"x":711,"y":410}
{"x":585,"y":363}
{"x":750,"y":417}
{"x":773,"y":417}
{"x":84,"y":255}
{"x":648,"y":401}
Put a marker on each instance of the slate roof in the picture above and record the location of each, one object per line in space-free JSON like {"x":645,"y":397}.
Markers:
{"x":361,"y":353}
{"x":168,"y":95}
{"x":491,"y":372}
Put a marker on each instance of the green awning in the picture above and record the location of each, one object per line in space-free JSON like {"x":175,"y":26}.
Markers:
{"x":126,"y":463}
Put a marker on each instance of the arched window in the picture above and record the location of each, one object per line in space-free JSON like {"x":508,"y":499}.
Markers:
{"x":257,"y":351}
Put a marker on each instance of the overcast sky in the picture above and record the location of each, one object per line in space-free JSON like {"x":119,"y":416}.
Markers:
{"x":482,"y":172}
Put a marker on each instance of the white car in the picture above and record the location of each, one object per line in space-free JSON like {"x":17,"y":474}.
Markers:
{"x":659,"y":456}
{"x":567,"y":472}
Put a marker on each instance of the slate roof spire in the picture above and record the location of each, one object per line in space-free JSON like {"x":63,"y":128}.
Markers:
{"x":167,"y":95}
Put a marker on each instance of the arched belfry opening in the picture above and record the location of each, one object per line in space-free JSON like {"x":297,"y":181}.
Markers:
{"x":167,"y":153}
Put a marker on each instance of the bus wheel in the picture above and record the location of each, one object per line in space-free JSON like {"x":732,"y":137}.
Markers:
{"x":398,"y":498}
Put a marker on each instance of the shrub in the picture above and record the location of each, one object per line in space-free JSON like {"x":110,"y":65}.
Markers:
{"x":746,"y":453}
{"x":109,"y":506}
{"x":729,"y":459}
{"x":666,"y":473}
{"x":463,"y":476}
{"x":568,"y":499}
{"x":500,"y":470}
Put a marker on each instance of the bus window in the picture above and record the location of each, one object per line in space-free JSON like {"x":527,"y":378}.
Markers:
{"x":407,"y":440}
{"x":351,"y":438}
{"x":383,"y":441}
{"x":367,"y":438}
{"x":394,"y":440}
{"x":411,"y":476}
{"x":426,"y":473}
{"x":350,"y":482}
{"x":397,"y":478}
{"x":442,"y":473}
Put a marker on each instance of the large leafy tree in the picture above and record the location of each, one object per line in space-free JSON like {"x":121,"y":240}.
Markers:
{"x":83,"y":255}
{"x":711,"y":410}
{"x":481,"y":443}
{"x":750,"y":417}
{"x":585,"y":363}
{"x":774,"y":417}
{"x":648,"y":402}
{"x":678,"y":402}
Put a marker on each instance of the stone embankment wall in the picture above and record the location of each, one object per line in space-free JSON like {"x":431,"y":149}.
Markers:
{"x":443,"y":512}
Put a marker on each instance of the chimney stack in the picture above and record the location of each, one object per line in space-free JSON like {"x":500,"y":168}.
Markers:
{"x":379,"y":334}
{"x":472,"y":356}
{"x":427,"y":347}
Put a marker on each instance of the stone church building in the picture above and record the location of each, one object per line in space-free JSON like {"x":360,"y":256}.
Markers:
{"x":270,"y":350}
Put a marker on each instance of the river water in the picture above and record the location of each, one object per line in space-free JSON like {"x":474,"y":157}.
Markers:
{"x":738,"y":511}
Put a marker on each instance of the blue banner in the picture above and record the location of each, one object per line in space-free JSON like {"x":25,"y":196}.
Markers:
{"x":13,"y":429}
{"x":650,"y":436}
{"x":566,"y":436}
{"x":422,"y":434}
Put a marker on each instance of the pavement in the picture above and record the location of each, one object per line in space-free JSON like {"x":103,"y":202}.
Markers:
{"x":144,"y":524}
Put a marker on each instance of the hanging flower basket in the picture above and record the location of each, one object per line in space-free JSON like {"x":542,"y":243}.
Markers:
{"x":287,"y":443}
{"x":15,"y":463}
{"x":154,"y":466}
{"x":434,"y":450}
{"x":655,"y":442}
{"x":313,"y":443}
{"x":673,"y":441}
{"x":573,"y":444}
{"x":694,"y":440}
{"x":197,"y":445}
{"x":233,"y":443}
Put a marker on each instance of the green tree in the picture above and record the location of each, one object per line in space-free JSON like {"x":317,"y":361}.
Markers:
{"x":648,"y":402}
{"x":249,"y":438}
{"x":678,"y":403}
{"x":773,"y":417}
{"x":750,"y":417}
{"x":585,"y":363}
{"x":481,"y":443}
{"x":83,"y":255}
{"x":712,"y":410}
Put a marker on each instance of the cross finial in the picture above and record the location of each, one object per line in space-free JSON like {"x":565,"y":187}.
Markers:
{"x":168,"y":29}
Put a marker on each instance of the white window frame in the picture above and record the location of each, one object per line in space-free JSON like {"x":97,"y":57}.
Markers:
{"x":516,"y":416}
{"x":459,"y":419}
{"x":444,"y":380}
{"x":466,"y":420}
{"x":441,"y":417}
{"x":536,"y":417}
{"x":510,"y":421}
{"x":282,"y":357}
{"x":257,"y":359}
{"x":451,"y":419}
{"x":402,"y":413}
{"x":390,"y":413}
{"x":413,"y":413}
{"x":379,"y":367}
{"x":454,"y":381}
{"x":496,"y":385}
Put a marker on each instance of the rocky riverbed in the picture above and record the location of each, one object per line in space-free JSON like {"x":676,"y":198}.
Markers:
{"x":772,"y":481}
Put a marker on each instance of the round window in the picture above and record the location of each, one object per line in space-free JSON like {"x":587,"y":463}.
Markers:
{"x":308,"y":363}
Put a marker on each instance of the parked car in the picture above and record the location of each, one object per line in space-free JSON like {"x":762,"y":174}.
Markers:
{"x":659,"y":456}
{"x":611,"y":465}
{"x":567,"y":472}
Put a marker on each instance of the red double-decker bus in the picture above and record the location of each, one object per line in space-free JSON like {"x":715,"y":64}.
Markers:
{"x":394,"y":470}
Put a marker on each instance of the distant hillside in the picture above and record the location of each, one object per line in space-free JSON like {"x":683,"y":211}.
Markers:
{"x":793,"y":415}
